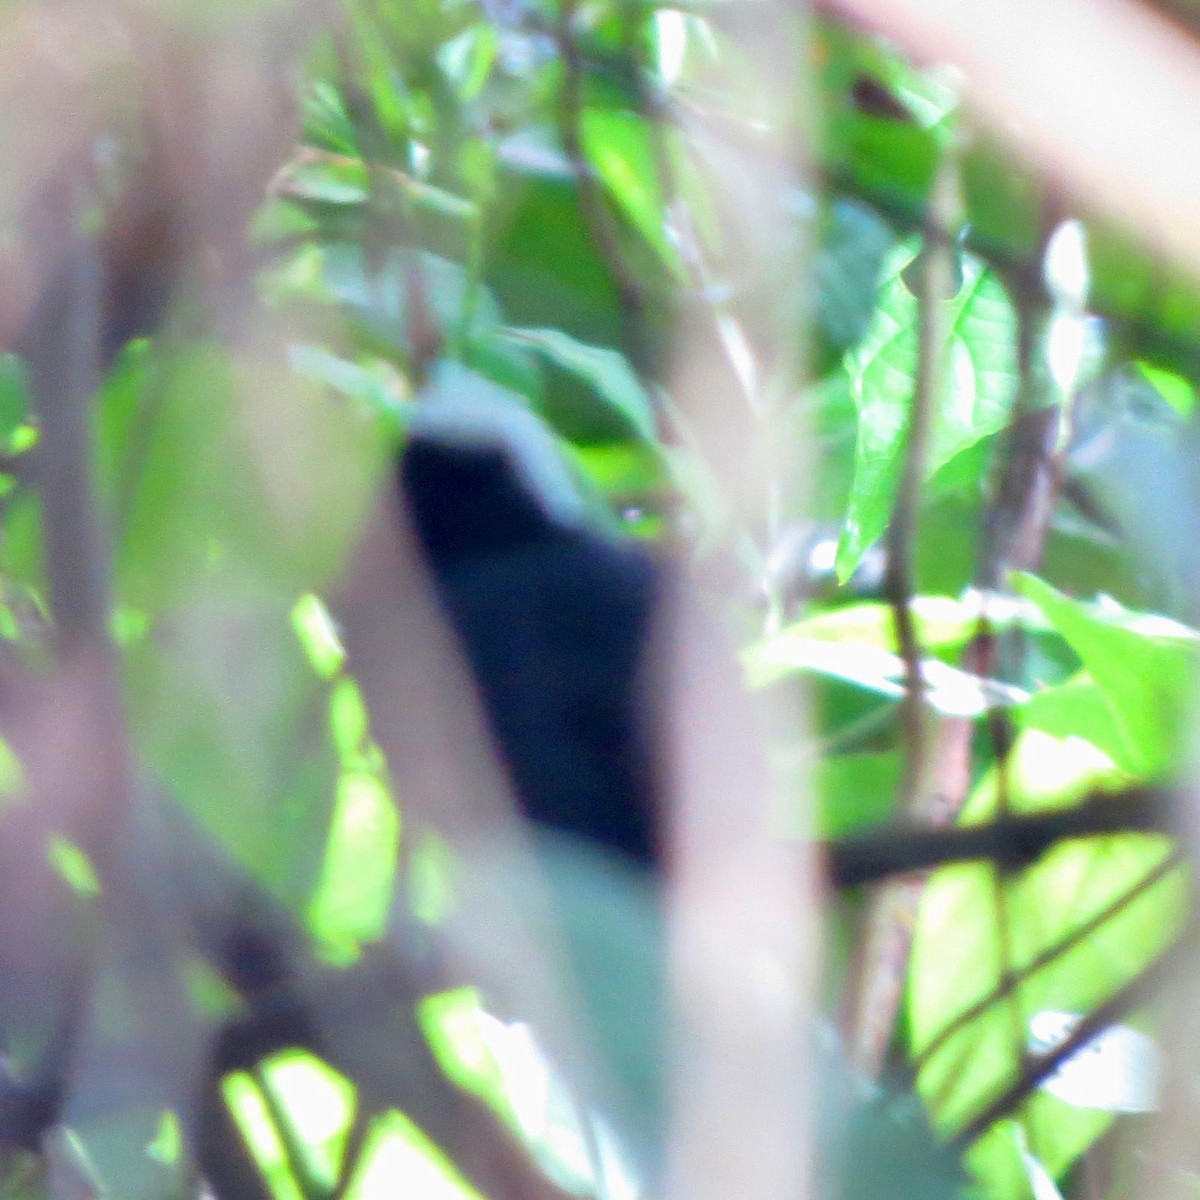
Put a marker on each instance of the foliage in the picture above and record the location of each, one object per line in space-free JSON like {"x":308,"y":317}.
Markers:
{"x":514,"y":212}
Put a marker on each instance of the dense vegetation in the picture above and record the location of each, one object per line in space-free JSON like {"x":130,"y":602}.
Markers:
{"x":904,"y":415}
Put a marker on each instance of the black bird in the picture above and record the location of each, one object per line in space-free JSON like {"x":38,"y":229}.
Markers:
{"x":553,"y":619}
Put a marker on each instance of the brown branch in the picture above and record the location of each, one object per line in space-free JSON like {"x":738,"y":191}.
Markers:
{"x":61,"y":349}
{"x":67,"y":731}
{"x":1011,"y":843}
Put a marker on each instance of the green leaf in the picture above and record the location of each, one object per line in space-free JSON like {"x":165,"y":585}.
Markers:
{"x":949,"y":690}
{"x":857,"y":643}
{"x":1144,"y":665}
{"x":383,"y":297}
{"x":469,"y":58}
{"x":202,"y":483}
{"x":605,"y":371}
{"x":399,"y":1158}
{"x":14,"y":398}
{"x":354,"y":894}
{"x":620,"y":146}
{"x":1178,"y":392}
{"x":317,"y":1104}
{"x":457,"y":1028}
{"x":973,"y":929}
{"x":978,"y":385}
{"x":855,"y":791}
{"x":854,"y":245}
{"x":541,"y":259}
{"x":941,"y":622}
{"x":315,"y":628}
{"x":376,"y":385}
{"x":1078,"y":708}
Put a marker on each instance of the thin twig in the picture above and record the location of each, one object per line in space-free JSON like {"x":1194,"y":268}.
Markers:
{"x":887,"y":933}
{"x":1040,"y":1068}
{"x":1012,"y":980}
{"x":936,"y":288}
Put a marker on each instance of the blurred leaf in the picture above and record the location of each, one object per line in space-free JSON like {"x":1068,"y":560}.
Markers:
{"x":14,"y":400}
{"x":224,"y":707}
{"x":854,"y":245}
{"x":377,"y":386}
{"x":1003,"y":196}
{"x":610,"y":919}
{"x":249,"y":1108}
{"x":854,"y":791}
{"x":399,"y":1158}
{"x":348,"y":722}
{"x":949,"y":690}
{"x":457,"y":1027}
{"x":1177,"y":391}
{"x":382,"y":297}
{"x":469,"y":58}
{"x":73,"y":865}
{"x":620,"y":145}
{"x":941,"y":621}
{"x":606,"y":371}
{"x":318,"y":1104}
{"x":1078,"y":708}
{"x":890,"y":1153}
{"x":353,"y":897}
{"x":542,"y":262}
{"x":314,"y":628}
{"x":207,"y":464}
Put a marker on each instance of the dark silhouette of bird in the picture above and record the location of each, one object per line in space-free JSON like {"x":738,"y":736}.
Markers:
{"x":553,"y":619}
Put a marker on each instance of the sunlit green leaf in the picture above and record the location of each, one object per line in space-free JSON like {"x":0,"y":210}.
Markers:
{"x":73,"y":865}
{"x":620,"y":145}
{"x":348,"y":721}
{"x":318,"y":1104}
{"x":1144,"y":665}
{"x":1078,"y":708}
{"x":399,"y":1159}
{"x":250,"y":1110}
{"x":978,"y":385}
{"x":974,"y":930}
{"x":941,"y":622}
{"x":457,"y":1027}
{"x":314,"y":627}
{"x":354,"y":893}
{"x":854,"y":791}
{"x":1178,"y":392}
